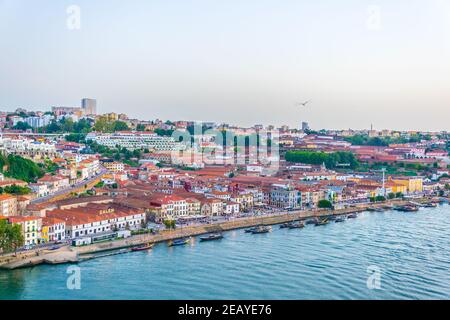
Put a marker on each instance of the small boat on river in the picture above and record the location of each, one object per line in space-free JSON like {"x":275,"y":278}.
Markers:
{"x":143,"y":247}
{"x":296,"y":225}
{"x":339,"y":219}
{"x":262,"y":229}
{"x":322,"y":222}
{"x":211,"y":237}
{"x":312,"y":221}
{"x":179,"y":242}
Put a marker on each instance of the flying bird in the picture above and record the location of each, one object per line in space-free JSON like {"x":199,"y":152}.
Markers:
{"x":303,"y":104}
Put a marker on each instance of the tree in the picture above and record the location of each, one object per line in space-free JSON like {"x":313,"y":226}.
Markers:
{"x":325,"y":204}
{"x":17,"y":190}
{"x":170,"y":224}
{"x":76,"y":137}
{"x":380,"y":198}
{"x":120,"y":126}
{"x":11,"y":237}
{"x":140,"y":127}
{"x":331,"y":160}
{"x":391,"y":195}
{"x":22,"y":126}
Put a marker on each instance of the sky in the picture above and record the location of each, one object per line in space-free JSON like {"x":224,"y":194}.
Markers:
{"x":245,"y":62}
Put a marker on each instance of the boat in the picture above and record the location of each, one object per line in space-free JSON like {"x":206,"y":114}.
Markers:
{"x":410,"y":209}
{"x":262,"y":229}
{"x":339,"y":219}
{"x":430,"y":205}
{"x":250,"y":230}
{"x":212,"y":236}
{"x":179,"y":242}
{"x":312,"y":221}
{"x":296,"y":225}
{"x":322,"y":222}
{"x":352,"y":216}
{"x":144,"y":247}
{"x":285,"y":225}
{"x":407,"y":208}
{"x":371,"y":209}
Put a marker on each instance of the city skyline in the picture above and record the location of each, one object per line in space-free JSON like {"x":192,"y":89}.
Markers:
{"x":377,"y":63}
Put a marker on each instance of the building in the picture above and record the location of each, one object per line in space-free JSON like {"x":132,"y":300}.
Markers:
{"x":412,"y":184}
{"x":58,"y":111}
{"x":114,"y":166}
{"x":305,"y":126}
{"x":98,"y":218}
{"x":39,"y":122}
{"x":8,"y":205}
{"x":53,"y":229}
{"x":31,"y":228}
{"x":285,"y":197}
{"x":135,"y":140}
{"x":89,"y":106}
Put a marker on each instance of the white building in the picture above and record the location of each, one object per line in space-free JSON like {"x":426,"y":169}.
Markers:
{"x":135,"y":140}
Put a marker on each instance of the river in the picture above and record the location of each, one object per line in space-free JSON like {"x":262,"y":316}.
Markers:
{"x":389,"y":255}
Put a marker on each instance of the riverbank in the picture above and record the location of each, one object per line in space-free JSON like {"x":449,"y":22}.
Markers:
{"x":78,"y":254}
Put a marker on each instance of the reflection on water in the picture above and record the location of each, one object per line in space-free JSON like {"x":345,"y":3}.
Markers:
{"x":410,"y":251}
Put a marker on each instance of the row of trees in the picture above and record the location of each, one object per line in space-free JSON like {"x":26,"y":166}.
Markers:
{"x":104,"y":125}
{"x":365,"y":140}
{"x":11,"y":237}
{"x":331,"y":160}
{"x":17,"y":190}
{"x":68,"y":125}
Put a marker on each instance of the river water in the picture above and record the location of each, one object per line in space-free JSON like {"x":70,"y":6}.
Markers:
{"x":390,"y":255}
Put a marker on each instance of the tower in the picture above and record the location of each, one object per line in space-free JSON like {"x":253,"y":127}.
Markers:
{"x":89,"y":106}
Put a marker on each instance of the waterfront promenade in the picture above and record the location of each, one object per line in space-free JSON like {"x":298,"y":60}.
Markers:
{"x":69,"y":254}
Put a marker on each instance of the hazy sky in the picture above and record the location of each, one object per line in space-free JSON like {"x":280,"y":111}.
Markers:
{"x":385,"y":62}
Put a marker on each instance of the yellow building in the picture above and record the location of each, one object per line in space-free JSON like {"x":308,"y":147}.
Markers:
{"x":44,"y":234}
{"x":412,"y":184}
{"x":397,"y":187}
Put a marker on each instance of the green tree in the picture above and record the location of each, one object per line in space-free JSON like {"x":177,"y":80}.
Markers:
{"x":325,"y":204}
{"x":22,"y":126}
{"x":331,"y":160}
{"x":120,"y":126}
{"x":11,"y":237}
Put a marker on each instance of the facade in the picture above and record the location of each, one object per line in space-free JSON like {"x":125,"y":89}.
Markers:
{"x":53,"y":229}
{"x":8,"y":205}
{"x":98,"y":219}
{"x":38,"y":122}
{"x":31,"y":228}
{"x":413,"y":184}
{"x":89,"y":106}
{"x":114,"y":166}
{"x":135,"y":140}
{"x":285,"y":197}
